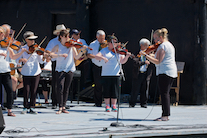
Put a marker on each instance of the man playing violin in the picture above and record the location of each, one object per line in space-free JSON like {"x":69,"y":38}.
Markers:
{"x":111,"y":71}
{"x":52,"y":43}
{"x":31,"y":72}
{"x":141,"y":74}
{"x":96,"y":66}
{"x":5,"y":77}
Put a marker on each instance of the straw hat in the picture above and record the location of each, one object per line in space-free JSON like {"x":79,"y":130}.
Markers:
{"x":60,"y":28}
{"x":29,"y":35}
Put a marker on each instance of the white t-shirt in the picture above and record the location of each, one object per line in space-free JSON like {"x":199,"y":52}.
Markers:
{"x":65,"y":64}
{"x":95,"y":46}
{"x":111,"y":68}
{"x":31,"y":67}
{"x":4,"y":62}
{"x":168,"y":65}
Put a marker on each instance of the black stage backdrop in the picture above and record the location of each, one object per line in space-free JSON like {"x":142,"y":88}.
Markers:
{"x":130,"y":20}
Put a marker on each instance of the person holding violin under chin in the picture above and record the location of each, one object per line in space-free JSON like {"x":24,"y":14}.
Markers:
{"x":31,"y":72}
{"x":65,"y":66}
{"x":141,"y":74}
{"x":111,"y":71}
{"x":166,"y":69}
{"x":5,"y":77}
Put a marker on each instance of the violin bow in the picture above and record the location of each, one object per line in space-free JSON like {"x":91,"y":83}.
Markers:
{"x":151,"y":36}
{"x":20,"y":30}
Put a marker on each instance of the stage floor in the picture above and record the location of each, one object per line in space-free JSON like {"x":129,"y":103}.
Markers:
{"x":85,"y":120}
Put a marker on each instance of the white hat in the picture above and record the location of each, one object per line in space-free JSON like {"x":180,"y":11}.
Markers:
{"x":29,"y":35}
{"x":60,"y":28}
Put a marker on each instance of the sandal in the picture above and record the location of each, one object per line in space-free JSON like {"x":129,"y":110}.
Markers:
{"x":65,"y":111}
{"x":161,"y":119}
{"x":11,"y":114}
{"x":59,"y":112}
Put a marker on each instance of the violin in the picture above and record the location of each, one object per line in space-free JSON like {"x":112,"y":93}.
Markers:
{"x":35,"y":48}
{"x":104,"y":44}
{"x":122,"y":51}
{"x":16,"y":45}
{"x":151,"y":48}
{"x":72,"y":43}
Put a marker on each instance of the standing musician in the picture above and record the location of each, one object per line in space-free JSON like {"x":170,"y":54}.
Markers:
{"x":14,"y":77}
{"x":111,"y":71}
{"x":64,"y":68}
{"x":31,"y":72}
{"x":5,"y":77}
{"x":166,"y":69}
{"x":96,"y":66}
{"x":48,"y":49}
{"x":141,"y":74}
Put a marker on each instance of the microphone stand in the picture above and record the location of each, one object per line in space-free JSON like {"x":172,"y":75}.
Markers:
{"x":117,"y":123}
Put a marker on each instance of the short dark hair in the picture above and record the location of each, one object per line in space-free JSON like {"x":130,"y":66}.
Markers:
{"x":110,"y":37}
{"x":63,"y":33}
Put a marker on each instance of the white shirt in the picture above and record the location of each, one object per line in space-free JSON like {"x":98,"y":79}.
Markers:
{"x":168,"y":65}
{"x":31,"y":67}
{"x":111,"y":68}
{"x":4,"y":62}
{"x":52,"y":43}
{"x":95,"y":46}
{"x":143,"y":67}
{"x":48,"y":66}
{"x":65,"y":64}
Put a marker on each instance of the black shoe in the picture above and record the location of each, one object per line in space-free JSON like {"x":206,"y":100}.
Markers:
{"x":32,"y":111}
{"x":98,"y":105}
{"x":144,"y":106}
{"x":54,"y":106}
{"x":131,"y":106}
{"x":67,"y":107}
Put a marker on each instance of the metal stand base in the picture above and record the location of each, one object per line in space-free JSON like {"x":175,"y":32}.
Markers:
{"x":117,"y":124}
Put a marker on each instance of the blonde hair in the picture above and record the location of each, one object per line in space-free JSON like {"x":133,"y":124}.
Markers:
{"x":2,"y":29}
{"x":162,"y":32}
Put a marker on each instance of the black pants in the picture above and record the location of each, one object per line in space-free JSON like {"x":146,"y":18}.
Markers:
{"x":98,"y":84}
{"x":63,"y":84}
{"x":54,"y":84}
{"x":139,"y":85}
{"x":165,"y":82}
{"x":111,"y":86}
{"x":5,"y":79}
{"x":30,"y":85}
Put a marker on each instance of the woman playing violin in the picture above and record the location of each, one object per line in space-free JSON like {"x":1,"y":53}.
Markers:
{"x":111,"y":71}
{"x":166,"y":69}
{"x":5,"y":77}
{"x":31,"y":72}
{"x":65,"y":66}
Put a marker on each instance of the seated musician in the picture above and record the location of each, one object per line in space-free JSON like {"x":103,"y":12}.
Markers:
{"x":31,"y":72}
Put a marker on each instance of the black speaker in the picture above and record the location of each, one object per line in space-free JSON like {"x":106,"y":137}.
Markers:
{"x":2,"y":124}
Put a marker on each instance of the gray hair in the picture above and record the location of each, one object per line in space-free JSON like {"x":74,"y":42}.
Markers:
{"x":100,"y":32}
{"x":144,"y":41}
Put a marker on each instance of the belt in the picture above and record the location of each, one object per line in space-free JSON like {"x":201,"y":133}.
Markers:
{"x":142,"y":71}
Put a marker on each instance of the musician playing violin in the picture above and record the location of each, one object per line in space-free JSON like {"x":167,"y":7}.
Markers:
{"x":141,"y":74}
{"x":96,"y":66}
{"x":31,"y":72}
{"x":111,"y":71}
{"x":166,"y":69}
{"x":5,"y":77}
{"x":65,"y":66}
{"x":52,"y":43}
